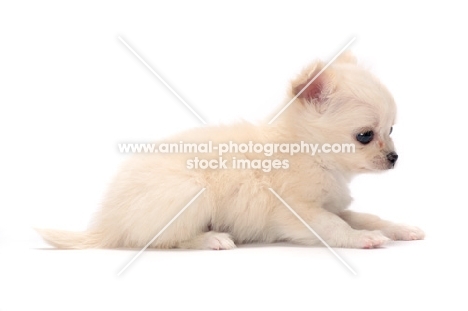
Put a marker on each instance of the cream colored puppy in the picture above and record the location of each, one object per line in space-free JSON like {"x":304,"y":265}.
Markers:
{"x":345,"y":104}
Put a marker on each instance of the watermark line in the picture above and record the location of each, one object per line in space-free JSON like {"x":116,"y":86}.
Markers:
{"x":313,"y":79}
{"x":162,"y":80}
{"x":160,"y":232}
{"x":210,"y":147}
{"x":313,"y":231}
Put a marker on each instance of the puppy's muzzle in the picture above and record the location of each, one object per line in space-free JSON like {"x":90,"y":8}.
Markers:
{"x":392,"y":157}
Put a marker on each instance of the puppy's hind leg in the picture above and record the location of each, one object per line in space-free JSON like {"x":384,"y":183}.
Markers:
{"x":209,"y":240}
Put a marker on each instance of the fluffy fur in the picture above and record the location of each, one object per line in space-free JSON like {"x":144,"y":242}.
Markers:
{"x":237,"y":206}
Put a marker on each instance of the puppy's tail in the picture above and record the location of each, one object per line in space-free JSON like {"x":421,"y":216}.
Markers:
{"x":71,"y":240}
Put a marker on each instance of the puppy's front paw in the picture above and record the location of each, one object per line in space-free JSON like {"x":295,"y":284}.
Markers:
{"x":368,"y":239}
{"x":403,"y":233}
{"x":219,"y":241}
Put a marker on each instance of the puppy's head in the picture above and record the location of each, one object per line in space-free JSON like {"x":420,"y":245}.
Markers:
{"x":345,"y":104}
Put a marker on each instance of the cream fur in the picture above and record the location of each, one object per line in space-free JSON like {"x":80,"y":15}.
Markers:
{"x":237,"y":206}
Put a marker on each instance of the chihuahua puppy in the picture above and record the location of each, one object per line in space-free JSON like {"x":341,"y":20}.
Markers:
{"x":344,"y":104}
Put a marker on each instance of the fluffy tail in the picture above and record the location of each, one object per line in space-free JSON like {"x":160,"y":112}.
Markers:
{"x":69,"y":239}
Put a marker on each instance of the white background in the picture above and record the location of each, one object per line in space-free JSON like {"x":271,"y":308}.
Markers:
{"x":70,"y":91}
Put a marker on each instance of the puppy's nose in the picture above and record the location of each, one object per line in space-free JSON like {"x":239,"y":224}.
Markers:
{"x":392,"y":157}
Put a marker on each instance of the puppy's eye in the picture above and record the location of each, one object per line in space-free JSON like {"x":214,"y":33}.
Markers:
{"x":365,"y":137}
{"x":391,"y":130}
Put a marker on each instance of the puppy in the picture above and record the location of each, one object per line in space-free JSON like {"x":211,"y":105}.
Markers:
{"x":344,"y":105}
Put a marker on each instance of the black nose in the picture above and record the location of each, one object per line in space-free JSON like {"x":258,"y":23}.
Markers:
{"x":392,"y":157}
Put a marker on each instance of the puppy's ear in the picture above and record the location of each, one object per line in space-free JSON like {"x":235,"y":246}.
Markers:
{"x":347,"y":57}
{"x":312,"y":85}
